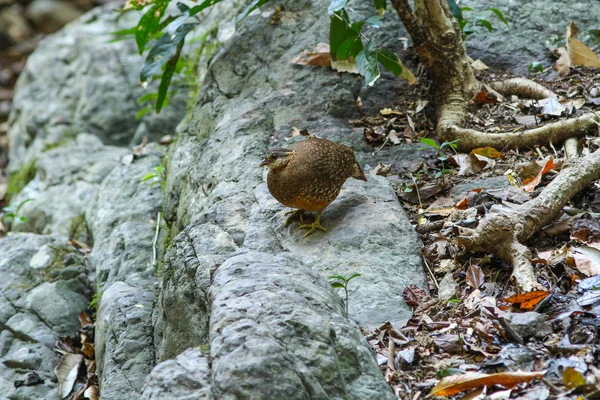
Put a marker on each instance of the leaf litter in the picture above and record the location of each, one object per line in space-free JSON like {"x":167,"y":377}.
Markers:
{"x":486,"y":340}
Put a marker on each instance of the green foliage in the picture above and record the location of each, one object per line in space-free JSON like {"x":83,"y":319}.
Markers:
{"x":158,"y":177}
{"x":94,"y":304}
{"x":19,"y":179}
{"x":468,"y":25}
{"x":341,"y":282}
{"x":535,"y":67}
{"x":11,"y":213}
{"x":440,"y":152}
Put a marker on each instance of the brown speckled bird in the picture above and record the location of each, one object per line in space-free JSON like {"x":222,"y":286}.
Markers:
{"x":309,"y":176}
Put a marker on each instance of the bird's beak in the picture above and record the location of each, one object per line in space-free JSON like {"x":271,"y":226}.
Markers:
{"x":263,"y":163}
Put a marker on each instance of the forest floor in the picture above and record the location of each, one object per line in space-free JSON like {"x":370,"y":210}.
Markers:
{"x":472,"y":326}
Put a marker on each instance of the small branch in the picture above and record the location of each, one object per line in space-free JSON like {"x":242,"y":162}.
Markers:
{"x":408,"y":18}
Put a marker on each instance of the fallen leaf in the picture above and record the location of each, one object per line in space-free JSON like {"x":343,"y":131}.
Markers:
{"x":414,"y":295}
{"x":92,"y":393}
{"x":527,"y":120}
{"x":389,"y":111}
{"x":563,"y":64}
{"x":580,"y":54}
{"x":66,"y":372}
{"x":527,"y":301}
{"x":531,"y":183}
{"x":572,"y":378}
{"x":483,"y":98}
{"x":454,"y":384}
{"x":478,"y":65}
{"x":475,"y":276}
{"x":320,"y":57}
{"x":587,"y":259}
{"x":488,"y":152}
{"x":553,"y":107}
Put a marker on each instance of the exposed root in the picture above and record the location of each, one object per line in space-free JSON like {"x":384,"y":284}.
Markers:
{"x":557,"y":132}
{"x":571,"y":148}
{"x":523,"y":88}
{"x":503,"y":230}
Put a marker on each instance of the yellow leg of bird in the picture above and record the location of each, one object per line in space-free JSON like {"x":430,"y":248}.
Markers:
{"x":293,"y":214}
{"x":315,"y":225}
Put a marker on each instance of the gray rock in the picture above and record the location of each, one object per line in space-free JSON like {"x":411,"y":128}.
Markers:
{"x":71,"y":172}
{"x":123,"y":341}
{"x":68,"y":87}
{"x":122,"y":221}
{"x":529,"y":324}
{"x":187,"y":377}
{"x":41,"y":295}
{"x":51,"y":15}
{"x":530,"y":25}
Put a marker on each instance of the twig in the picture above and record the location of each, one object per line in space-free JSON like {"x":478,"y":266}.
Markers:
{"x":431,"y":273}
{"x":154,"y":250}
{"x":391,"y":353}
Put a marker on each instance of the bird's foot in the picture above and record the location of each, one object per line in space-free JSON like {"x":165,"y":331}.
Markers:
{"x":314,"y":226}
{"x":293,"y":214}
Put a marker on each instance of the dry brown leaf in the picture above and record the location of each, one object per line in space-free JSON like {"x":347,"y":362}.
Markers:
{"x":320,"y":57}
{"x":475,"y":276}
{"x":66,"y":372}
{"x":563,"y":64}
{"x":572,"y":378}
{"x":580,"y":54}
{"x":488,"y":152}
{"x":85,"y":319}
{"x":92,"y":393}
{"x":587,"y":259}
{"x":527,"y":301}
{"x":454,"y":384}
{"x":389,"y":111}
{"x":530,"y":184}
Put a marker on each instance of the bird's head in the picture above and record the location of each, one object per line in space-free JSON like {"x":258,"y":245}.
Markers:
{"x":277,"y":158}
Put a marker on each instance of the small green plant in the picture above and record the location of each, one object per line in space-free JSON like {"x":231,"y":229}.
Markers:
{"x":440,"y":153}
{"x":535,"y":67}
{"x":94,"y":303}
{"x":342,"y":283}
{"x":467,"y":25}
{"x":12,"y":212}
{"x":157,"y":176}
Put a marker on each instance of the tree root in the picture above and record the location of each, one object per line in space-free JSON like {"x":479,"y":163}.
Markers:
{"x":522,"y":87}
{"x":503,"y":230}
{"x":556,"y":132}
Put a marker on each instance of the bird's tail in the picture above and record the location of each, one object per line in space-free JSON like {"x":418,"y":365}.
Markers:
{"x":358,"y":173}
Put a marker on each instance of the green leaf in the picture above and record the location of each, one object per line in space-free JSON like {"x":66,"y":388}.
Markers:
{"x":499,"y":15}
{"x":380,"y":7}
{"x":374,"y":21}
{"x":350,"y":48}
{"x":390,"y":61}
{"x":337,"y":285}
{"x":430,"y":142}
{"x":455,"y":9}
{"x":466,"y":9}
{"x":165,"y":81}
{"x":341,"y":278}
{"x":535,"y":66}
{"x":336,"y":5}
{"x":163,"y":51}
{"x":200,"y":7}
{"x":143,"y":112}
{"x":254,"y":4}
{"x":148,"y":176}
{"x":340,"y":30}
{"x":485,"y":23}
{"x":352,"y":277}
{"x":149,"y":23}
{"x":357,"y":26}
{"x":366,"y":64}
